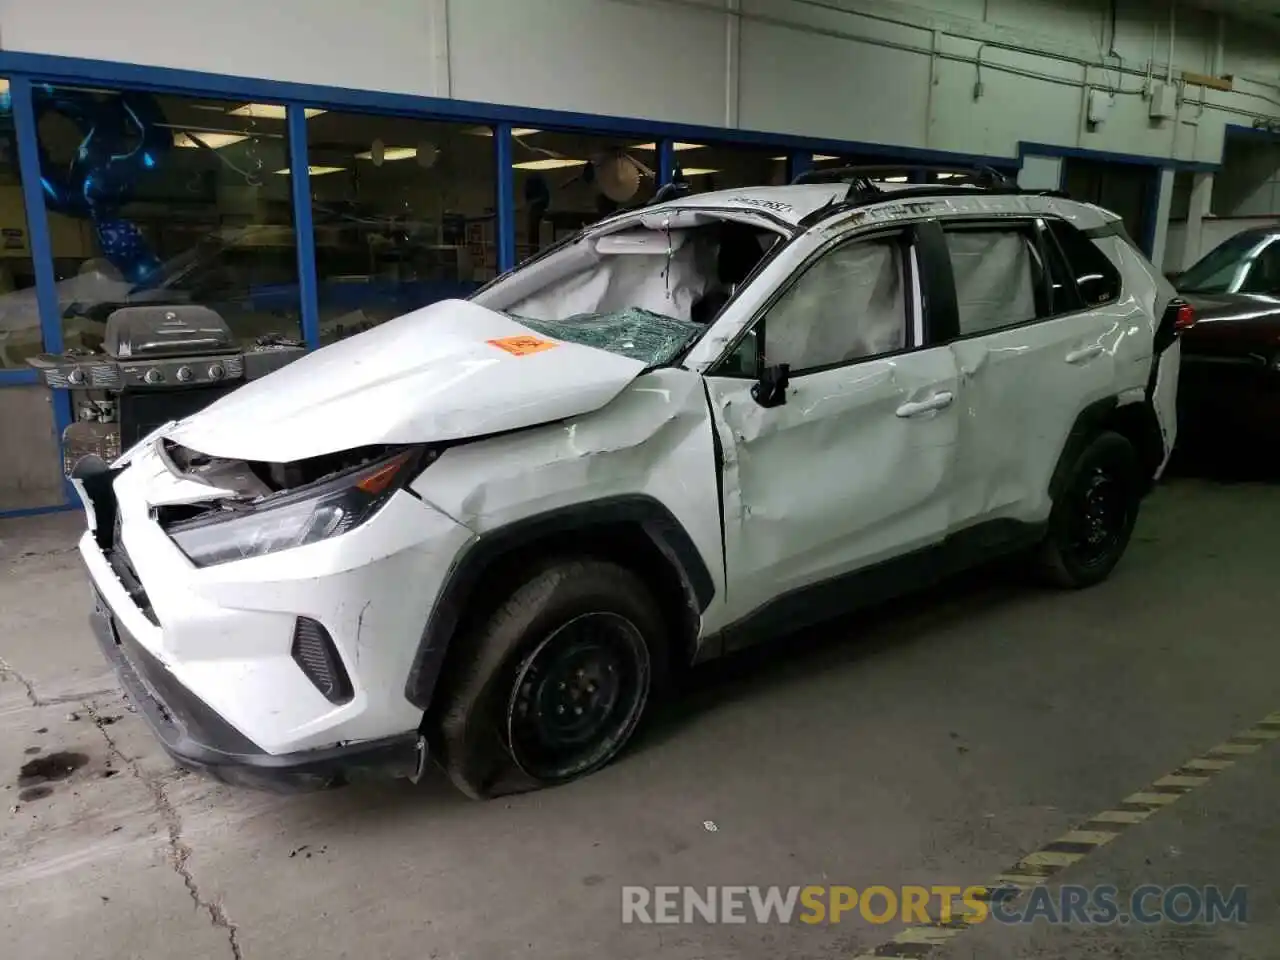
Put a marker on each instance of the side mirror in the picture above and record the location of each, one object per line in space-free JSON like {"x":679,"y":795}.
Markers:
{"x":771,"y":389}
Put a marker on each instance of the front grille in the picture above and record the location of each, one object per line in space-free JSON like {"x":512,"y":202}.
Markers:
{"x":313,"y":651}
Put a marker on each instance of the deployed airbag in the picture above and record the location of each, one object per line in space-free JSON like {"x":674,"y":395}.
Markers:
{"x":994,"y":278}
{"x":847,"y":306}
{"x":666,"y":285}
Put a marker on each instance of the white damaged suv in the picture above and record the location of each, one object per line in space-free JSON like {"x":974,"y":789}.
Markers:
{"x":486,"y":531}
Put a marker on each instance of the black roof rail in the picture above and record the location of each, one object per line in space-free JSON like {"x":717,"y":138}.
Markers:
{"x":855,"y":201}
{"x":670,"y":191}
{"x":862,"y":179}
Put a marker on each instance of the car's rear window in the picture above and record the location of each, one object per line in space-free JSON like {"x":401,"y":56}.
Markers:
{"x":1097,"y":279}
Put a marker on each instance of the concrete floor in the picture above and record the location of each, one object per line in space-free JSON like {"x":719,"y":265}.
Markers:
{"x":934,"y":741}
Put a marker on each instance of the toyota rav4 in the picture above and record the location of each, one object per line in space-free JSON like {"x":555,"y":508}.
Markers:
{"x":487,"y":531}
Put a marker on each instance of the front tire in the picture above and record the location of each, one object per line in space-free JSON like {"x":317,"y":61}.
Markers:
{"x":1092,"y":520}
{"x":555,"y":679}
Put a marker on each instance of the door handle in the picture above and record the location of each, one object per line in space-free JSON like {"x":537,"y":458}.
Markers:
{"x":914,"y":408}
{"x":1085,"y":354}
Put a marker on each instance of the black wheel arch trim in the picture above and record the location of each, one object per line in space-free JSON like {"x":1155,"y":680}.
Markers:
{"x":1089,"y":422}
{"x":650,"y":516}
{"x":1105,"y":414}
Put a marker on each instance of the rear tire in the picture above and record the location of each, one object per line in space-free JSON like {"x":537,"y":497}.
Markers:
{"x":555,"y":679}
{"x":1092,"y":520}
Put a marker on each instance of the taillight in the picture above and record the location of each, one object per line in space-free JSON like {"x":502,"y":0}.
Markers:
{"x":1185,"y":318}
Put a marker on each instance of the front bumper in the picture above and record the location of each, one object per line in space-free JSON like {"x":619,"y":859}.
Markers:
{"x":210,"y":653}
{"x":198,"y":739}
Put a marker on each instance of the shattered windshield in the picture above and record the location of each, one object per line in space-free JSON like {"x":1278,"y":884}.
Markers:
{"x":642,"y":335}
{"x":643,"y":292}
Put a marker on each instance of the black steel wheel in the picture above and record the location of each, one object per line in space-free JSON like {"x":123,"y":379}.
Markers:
{"x":577,"y":697}
{"x":1100,"y":516}
{"x":551,"y":682}
{"x":1093,"y":517}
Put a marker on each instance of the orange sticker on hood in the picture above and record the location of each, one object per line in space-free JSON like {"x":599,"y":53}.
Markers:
{"x":523,"y":345}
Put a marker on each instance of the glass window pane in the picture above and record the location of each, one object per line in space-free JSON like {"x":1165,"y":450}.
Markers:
{"x":849,"y":305}
{"x":19,"y":316}
{"x":996,"y":274}
{"x":891,"y":167}
{"x":708,"y":167}
{"x":158,"y":199}
{"x":403,"y":212}
{"x":565,"y":181}
{"x":1096,"y":278}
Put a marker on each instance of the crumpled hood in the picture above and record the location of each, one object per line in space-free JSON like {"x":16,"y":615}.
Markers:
{"x":431,"y":375}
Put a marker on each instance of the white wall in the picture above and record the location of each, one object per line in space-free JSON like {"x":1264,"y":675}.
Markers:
{"x":843,"y":69}
{"x":376,"y":45}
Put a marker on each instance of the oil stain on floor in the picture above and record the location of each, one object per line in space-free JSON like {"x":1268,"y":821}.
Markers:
{"x":51,"y":767}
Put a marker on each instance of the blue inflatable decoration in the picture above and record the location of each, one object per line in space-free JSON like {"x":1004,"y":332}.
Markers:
{"x":123,"y":244}
{"x":123,"y":138}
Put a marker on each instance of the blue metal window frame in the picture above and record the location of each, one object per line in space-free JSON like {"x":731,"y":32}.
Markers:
{"x":22,"y":69}
{"x":798,"y":162}
{"x":1156,"y":165}
{"x":505,"y":225}
{"x":666,"y":160}
{"x":24,"y":128}
{"x":304,"y":234}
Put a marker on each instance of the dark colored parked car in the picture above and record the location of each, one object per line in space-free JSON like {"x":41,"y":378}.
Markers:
{"x":1230,"y":381}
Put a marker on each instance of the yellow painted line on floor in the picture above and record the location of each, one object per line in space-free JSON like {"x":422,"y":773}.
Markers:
{"x":1262,"y":733}
{"x":1019,"y":880}
{"x":916,"y":942}
{"x":1177,"y":781}
{"x":930,"y":935}
{"x":1094,"y":837}
{"x":1234,"y":749}
{"x":1050,"y":858}
{"x":1122,"y":817}
{"x":1155,"y":799}
{"x":1207,"y":763}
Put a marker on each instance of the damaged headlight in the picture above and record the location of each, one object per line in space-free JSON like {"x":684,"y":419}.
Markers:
{"x":325,"y":509}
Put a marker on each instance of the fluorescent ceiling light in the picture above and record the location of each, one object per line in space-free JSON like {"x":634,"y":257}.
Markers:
{"x":271,"y":111}
{"x":698,"y":171}
{"x":515,"y":131}
{"x":674,"y":146}
{"x":209,"y":138}
{"x":820,"y":157}
{"x":315,"y":171}
{"x":947,"y":176}
{"x":391,"y":153}
{"x":550,"y":163}
{"x":895,"y":179}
